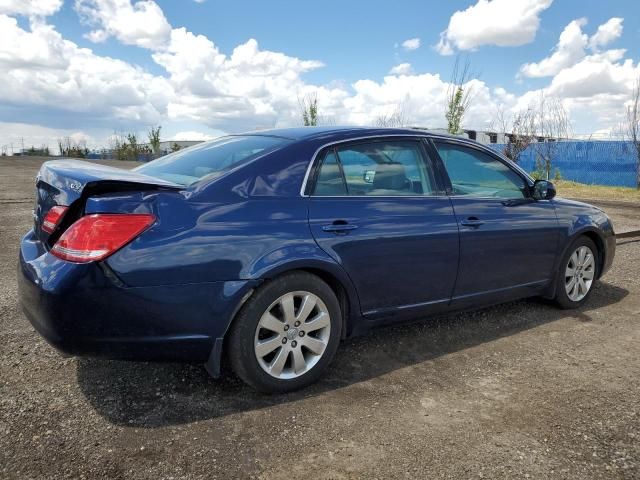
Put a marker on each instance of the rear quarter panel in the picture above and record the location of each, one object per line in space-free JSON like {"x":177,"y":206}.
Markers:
{"x":245,"y":239}
{"x":202,"y":242}
{"x":246,"y":225}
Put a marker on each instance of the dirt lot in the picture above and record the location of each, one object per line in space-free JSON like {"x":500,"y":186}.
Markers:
{"x":521,"y":390}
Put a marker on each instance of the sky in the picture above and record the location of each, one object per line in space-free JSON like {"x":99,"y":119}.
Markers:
{"x":86,"y":69}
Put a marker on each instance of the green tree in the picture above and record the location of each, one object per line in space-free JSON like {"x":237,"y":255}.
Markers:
{"x":126,"y":147}
{"x":455,"y":111}
{"x":132,"y":138}
{"x":154,"y":139}
{"x":459,"y":96}
{"x":72,"y":148}
{"x":309,"y":107}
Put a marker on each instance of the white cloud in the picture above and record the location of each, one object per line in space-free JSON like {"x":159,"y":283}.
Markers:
{"x":572,"y":45}
{"x":252,"y":85}
{"x":505,"y":23}
{"x":593,"y":90}
{"x":190,"y":135}
{"x":568,"y":51}
{"x":411,"y":44}
{"x":42,"y":69}
{"x":401,"y":69}
{"x":42,"y":48}
{"x":52,"y":81}
{"x":607,"y":33}
{"x":421,"y":97}
{"x":142,"y":23}
{"x":595,"y":74}
{"x":30,"y":7}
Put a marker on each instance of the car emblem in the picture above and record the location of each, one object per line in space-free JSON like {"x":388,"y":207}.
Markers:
{"x":76,"y":187}
{"x":292,"y":333}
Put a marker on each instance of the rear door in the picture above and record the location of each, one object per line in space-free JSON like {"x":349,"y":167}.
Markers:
{"x":508,"y":241}
{"x":378,"y":209}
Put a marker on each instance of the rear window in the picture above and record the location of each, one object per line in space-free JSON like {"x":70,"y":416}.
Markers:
{"x":210,"y":159}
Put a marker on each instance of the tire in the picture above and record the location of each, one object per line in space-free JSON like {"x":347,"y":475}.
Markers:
{"x":571,"y":294}
{"x":266,"y":346}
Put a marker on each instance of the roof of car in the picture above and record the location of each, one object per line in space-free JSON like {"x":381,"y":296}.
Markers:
{"x":300,"y":133}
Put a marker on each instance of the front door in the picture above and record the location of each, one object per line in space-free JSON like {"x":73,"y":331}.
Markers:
{"x":378,"y":210}
{"x":508,"y":241}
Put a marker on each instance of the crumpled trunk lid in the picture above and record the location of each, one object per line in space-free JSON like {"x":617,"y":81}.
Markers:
{"x":71,"y":182}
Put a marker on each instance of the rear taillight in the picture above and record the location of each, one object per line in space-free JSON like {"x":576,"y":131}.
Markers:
{"x":95,"y":237}
{"x":53,"y":218}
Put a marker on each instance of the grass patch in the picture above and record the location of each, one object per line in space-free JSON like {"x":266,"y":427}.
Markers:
{"x":569,"y":189}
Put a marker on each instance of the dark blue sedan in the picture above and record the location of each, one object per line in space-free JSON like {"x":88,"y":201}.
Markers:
{"x":270,"y":247}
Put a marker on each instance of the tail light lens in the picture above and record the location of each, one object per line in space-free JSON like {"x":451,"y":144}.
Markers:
{"x":95,"y":237}
{"x":53,"y":218}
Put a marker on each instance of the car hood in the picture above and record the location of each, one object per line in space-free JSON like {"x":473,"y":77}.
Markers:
{"x":576,"y":204}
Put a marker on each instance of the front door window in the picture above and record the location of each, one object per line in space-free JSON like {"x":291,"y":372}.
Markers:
{"x":476,"y":174}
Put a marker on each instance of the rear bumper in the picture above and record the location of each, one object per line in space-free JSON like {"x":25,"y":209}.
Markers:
{"x":83,"y":309}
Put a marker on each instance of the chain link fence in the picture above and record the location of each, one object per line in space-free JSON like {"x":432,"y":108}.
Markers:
{"x":612,"y":163}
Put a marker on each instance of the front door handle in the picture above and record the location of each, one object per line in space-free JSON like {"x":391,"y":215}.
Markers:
{"x":339,"y":227}
{"x":471,"y":222}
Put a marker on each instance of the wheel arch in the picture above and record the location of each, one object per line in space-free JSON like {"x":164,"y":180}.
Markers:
{"x":598,"y":240}
{"x":334,"y":276}
{"x":596,"y":237}
{"x":328,"y":271}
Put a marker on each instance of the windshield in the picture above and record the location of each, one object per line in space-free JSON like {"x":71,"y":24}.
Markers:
{"x":210,"y":159}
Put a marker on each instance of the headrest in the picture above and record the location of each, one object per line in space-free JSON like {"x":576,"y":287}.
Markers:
{"x":390,"y":176}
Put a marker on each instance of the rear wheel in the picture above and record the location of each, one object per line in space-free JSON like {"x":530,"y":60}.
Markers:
{"x":577,"y":273}
{"x":286,"y":334}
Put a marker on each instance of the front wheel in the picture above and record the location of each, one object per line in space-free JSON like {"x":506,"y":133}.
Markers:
{"x":578,"y":271}
{"x":286,"y":334}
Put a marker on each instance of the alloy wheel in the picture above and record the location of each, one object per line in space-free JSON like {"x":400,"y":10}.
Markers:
{"x":579,"y":273}
{"x":292,"y":335}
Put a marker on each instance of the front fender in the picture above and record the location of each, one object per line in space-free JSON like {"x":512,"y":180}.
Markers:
{"x":577,"y":219}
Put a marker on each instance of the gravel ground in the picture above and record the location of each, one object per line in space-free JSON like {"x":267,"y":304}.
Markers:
{"x":521,"y":390}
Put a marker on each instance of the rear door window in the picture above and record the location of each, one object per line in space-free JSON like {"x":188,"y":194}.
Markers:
{"x":393,"y":168}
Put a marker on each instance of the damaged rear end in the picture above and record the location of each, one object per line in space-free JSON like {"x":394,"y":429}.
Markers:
{"x":134,"y":264}
{"x":85,"y":213}
{"x":63,"y":188}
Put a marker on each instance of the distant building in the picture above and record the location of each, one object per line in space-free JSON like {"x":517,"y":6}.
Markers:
{"x":32,"y":152}
{"x":169,"y":145}
{"x":488,"y":136}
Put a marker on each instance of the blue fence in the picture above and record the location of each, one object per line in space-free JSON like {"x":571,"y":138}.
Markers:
{"x":590,"y":162}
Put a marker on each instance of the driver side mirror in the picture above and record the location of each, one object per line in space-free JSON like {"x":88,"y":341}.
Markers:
{"x":543,"y":190}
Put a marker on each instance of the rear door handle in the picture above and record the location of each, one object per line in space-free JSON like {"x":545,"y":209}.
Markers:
{"x":339,"y":226}
{"x":472,"y":222}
